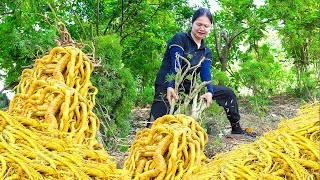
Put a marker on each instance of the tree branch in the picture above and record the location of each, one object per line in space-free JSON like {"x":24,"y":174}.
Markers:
{"x":217,"y":41}
{"x":235,"y":35}
{"x":9,"y":87}
{"x":129,"y":16}
{"x":195,"y":89}
{"x":98,"y":18}
{"x":82,"y":28}
{"x":122,"y":18}
{"x":110,"y":21}
{"x":244,"y":30}
{"x":91,"y":33}
{"x":141,"y":27}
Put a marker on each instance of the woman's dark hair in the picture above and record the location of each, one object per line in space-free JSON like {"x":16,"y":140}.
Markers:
{"x":201,"y":12}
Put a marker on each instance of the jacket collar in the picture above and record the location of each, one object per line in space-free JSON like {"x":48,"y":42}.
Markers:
{"x":202,"y":46}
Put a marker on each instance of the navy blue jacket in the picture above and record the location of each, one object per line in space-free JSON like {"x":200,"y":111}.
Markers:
{"x":190,"y":51}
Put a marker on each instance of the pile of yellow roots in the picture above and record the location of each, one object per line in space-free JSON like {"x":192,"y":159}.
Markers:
{"x":173,"y":149}
{"x":58,"y":92}
{"x":290,"y":152}
{"x":50,"y":129}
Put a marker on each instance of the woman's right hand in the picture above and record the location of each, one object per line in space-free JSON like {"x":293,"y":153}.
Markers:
{"x":171,"y":95}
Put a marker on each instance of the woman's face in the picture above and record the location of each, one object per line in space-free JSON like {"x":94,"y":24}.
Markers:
{"x":200,"y":27}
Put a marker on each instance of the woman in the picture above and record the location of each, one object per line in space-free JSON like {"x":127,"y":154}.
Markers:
{"x":192,"y":46}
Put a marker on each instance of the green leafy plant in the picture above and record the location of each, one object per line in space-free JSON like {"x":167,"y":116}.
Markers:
{"x":309,"y":86}
{"x":264,"y":76}
{"x":145,"y":96}
{"x":116,"y":86}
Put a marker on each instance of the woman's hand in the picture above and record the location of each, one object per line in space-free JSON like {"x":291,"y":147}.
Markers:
{"x":171,"y":95}
{"x":208,"y":97}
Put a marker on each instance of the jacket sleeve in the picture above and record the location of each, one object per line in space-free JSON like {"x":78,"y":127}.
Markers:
{"x":205,"y":73}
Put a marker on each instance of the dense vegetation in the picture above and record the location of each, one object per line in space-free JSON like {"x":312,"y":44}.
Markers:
{"x":267,"y":49}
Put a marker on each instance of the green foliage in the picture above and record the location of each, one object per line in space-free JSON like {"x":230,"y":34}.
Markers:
{"x":300,"y":33}
{"x":217,"y":140}
{"x":116,"y":87}
{"x":145,"y":96}
{"x":217,"y":113}
{"x":219,"y":76}
{"x":109,"y":50}
{"x":22,"y":37}
{"x":309,"y":86}
{"x":309,"y":79}
{"x":170,"y":77}
{"x":264,"y":76}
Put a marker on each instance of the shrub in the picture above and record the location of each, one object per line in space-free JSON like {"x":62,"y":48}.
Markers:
{"x":116,"y":86}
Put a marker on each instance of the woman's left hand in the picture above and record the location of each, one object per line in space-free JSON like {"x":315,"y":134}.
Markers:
{"x":208,"y":97}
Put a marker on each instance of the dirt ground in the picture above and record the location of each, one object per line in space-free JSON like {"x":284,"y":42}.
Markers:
{"x":282,"y":107}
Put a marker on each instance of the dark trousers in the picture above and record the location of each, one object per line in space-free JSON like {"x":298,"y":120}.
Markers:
{"x":224,"y":96}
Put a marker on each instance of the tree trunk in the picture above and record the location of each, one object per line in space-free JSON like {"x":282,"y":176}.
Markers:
{"x":223,"y":49}
{"x":224,"y":63}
